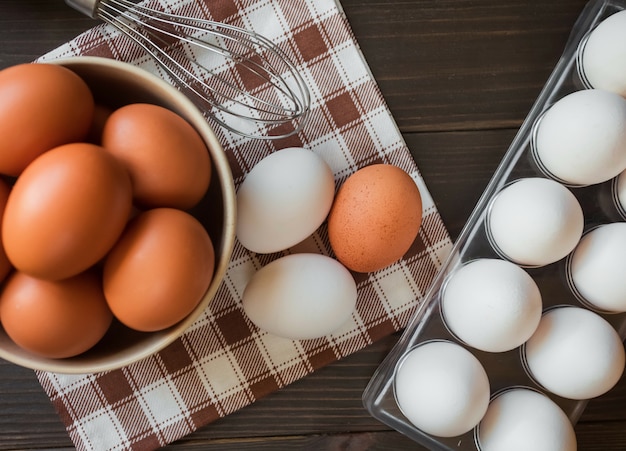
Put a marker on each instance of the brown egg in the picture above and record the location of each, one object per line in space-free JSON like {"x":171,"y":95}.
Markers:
{"x":55,"y":319}
{"x":159,"y":270}
{"x":66,"y":211}
{"x":167,"y":159}
{"x":375,"y":218}
{"x":43,"y":106}
{"x":5,"y":264}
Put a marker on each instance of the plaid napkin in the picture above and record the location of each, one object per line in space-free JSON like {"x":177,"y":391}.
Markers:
{"x":222,"y":362}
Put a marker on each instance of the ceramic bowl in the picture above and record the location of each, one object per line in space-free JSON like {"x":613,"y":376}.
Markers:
{"x":114,"y":84}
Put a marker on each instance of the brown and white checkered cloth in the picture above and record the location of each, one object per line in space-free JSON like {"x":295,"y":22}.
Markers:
{"x":222,"y":362}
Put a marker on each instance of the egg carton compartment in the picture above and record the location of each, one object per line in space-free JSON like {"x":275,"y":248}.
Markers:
{"x":598,"y":203}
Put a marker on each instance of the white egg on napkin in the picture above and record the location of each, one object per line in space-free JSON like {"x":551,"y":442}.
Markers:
{"x":300,"y":296}
{"x":283,"y":199}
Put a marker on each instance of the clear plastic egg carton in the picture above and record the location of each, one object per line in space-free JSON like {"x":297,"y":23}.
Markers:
{"x":506,"y":369}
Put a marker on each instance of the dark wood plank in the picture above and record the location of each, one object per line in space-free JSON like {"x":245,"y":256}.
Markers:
{"x":30,"y":28}
{"x":456,"y":167}
{"x":461,"y":65}
{"x":459,"y":77}
{"x":28,"y":419}
{"x":371,"y":441}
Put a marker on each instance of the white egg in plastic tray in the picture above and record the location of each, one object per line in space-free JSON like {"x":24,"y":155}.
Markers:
{"x":508,"y":369}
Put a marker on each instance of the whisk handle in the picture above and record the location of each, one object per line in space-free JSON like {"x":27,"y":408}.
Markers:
{"x":87,"y":7}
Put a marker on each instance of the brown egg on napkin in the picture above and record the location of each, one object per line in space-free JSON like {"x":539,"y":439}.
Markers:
{"x":375,"y":218}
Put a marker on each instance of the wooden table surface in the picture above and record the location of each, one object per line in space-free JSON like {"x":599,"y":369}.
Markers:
{"x":459,"y":77}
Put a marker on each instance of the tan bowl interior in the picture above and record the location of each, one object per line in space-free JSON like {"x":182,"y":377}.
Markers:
{"x":114,"y":83}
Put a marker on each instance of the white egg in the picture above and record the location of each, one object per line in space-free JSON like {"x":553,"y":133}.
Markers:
{"x":283,"y":199}
{"x":603,"y":57}
{"x":581,"y":139}
{"x":441,"y":388}
{"x":300,"y":296}
{"x":535,"y":221}
{"x":575,"y":353}
{"x":521,"y":419}
{"x":596,"y":268}
{"x":492,"y":305}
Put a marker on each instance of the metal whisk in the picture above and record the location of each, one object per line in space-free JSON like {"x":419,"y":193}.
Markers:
{"x":242,"y":80}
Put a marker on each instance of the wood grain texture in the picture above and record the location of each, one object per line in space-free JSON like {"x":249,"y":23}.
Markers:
{"x":461,"y":65}
{"x":459,"y":78}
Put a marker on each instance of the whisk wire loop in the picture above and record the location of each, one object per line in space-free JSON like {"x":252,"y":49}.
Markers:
{"x":245,"y":82}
